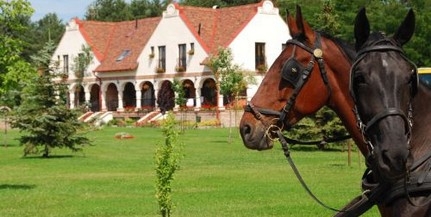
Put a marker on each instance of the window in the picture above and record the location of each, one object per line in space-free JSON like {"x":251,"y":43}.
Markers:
{"x":162,"y":58}
{"x":182,"y":58}
{"x":260,"y":55}
{"x":123,"y":55}
{"x":65,"y":63}
{"x":192,"y":49}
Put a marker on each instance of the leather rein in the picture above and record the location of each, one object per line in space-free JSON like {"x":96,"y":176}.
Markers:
{"x":276,"y":129}
{"x":373,"y":192}
{"x":415,"y":182}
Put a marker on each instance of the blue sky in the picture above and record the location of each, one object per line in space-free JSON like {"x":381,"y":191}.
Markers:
{"x":65,"y":9}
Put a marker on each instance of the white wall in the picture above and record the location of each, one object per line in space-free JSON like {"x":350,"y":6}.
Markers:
{"x":266,"y":27}
{"x":171,"y":32}
{"x":71,"y":45}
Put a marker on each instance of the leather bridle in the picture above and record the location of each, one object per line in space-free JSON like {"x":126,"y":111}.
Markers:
{"x":316,"y":56}
{"x":383,"y":45}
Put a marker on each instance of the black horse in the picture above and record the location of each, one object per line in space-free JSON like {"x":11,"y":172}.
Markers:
{"x":384,"y":85}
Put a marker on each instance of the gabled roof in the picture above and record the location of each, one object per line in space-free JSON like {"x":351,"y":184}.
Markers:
{"x":117,"y":45}
{"x":110,"y":40}
{"x":217,"y":27}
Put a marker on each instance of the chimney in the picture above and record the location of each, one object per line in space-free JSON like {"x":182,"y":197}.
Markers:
{"x":199,"y":29}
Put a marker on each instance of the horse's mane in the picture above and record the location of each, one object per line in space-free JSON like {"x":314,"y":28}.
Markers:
{"x":347,"y":48}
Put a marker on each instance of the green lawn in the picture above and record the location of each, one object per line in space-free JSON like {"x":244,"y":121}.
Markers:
{"x":217,"y":178}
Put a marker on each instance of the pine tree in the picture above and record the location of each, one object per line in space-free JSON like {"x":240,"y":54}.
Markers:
{"x":43,"y":115}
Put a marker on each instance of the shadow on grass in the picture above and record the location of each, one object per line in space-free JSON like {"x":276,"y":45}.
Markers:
{"x":313,"y":148}
{"x":52,"y":156}
{"x":16,"y":187}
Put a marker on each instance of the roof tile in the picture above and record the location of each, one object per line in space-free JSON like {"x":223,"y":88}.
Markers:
{"x":213,"y":28}
{"x":109,"y":40}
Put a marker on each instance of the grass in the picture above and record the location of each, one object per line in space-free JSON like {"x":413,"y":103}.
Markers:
{"x":115,"y":178}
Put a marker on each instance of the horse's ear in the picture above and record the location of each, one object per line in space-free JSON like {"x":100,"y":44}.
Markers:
{"x":362,"y":28}
{"x":287,"y":14}
{"x":291,"y":24}
{"x":407,"y":28}
{"x":304,"y":30}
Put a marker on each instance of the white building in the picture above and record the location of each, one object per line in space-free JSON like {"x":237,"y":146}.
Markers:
{"x":135,"y":62}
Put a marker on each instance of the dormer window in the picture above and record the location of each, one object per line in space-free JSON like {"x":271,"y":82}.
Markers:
{"x":123,"y":55}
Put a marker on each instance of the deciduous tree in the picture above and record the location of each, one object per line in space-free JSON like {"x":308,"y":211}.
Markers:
{"x":14,"y":16}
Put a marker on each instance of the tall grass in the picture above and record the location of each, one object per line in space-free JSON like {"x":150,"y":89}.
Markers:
{"x":117,"y":178}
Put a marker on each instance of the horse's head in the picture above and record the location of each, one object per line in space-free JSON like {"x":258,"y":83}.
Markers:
{"x":295,"y":85}
{"x":383,"y":83}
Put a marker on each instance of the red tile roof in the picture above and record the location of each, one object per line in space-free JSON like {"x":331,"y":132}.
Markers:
{"x":213,"y":28}
{"x":217,"y":27}
{"x":109,"y":40}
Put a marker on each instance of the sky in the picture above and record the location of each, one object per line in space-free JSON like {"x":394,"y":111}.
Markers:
{"x":65,"y":9}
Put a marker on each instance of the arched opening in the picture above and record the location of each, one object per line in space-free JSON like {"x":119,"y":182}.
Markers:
{"x":209,"y":93}
{"x":148,"y":100}
{"x":236,"y":100}
{"x":189,"y":92}
{"x":95,"y":98}
{"x":111,"y":97}
{"x":79,"y":96}
{"x":129,"y":96}
{"x":166,"y":97}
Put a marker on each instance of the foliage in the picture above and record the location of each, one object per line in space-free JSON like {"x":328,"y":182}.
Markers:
{"x":120,"y":10}
{"x":38,"y":33}
{"x":81,"y":63}
{"x":178,"y":88}
{"x":320,"y":126}
{"x":14,"y":18}
{"x":230,"y":78}
{"x":19,"y":74}
{"x":328,"y":18}
{"x":43,"y":114}
{"x":167,"y":158}
{"x":108,"y":10}
{"x":148,"y":8}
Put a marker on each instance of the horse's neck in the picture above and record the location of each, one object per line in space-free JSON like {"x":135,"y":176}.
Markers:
{"x":342,"y":103}
{"x":421,"y":137}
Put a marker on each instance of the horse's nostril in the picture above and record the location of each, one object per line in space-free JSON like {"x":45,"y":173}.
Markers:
{"x":246,"y":129}
{"x":396,"y":162}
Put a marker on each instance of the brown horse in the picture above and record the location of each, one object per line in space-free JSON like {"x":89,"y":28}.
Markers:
{"x":311,"y":72}
{"x":291,"y":97}
{"x":394,"y":121}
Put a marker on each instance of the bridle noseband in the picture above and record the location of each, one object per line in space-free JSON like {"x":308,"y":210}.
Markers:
{"x":298,"y":81}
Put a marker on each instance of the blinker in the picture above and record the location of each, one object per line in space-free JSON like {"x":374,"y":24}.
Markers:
{"x":291,"y":71}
